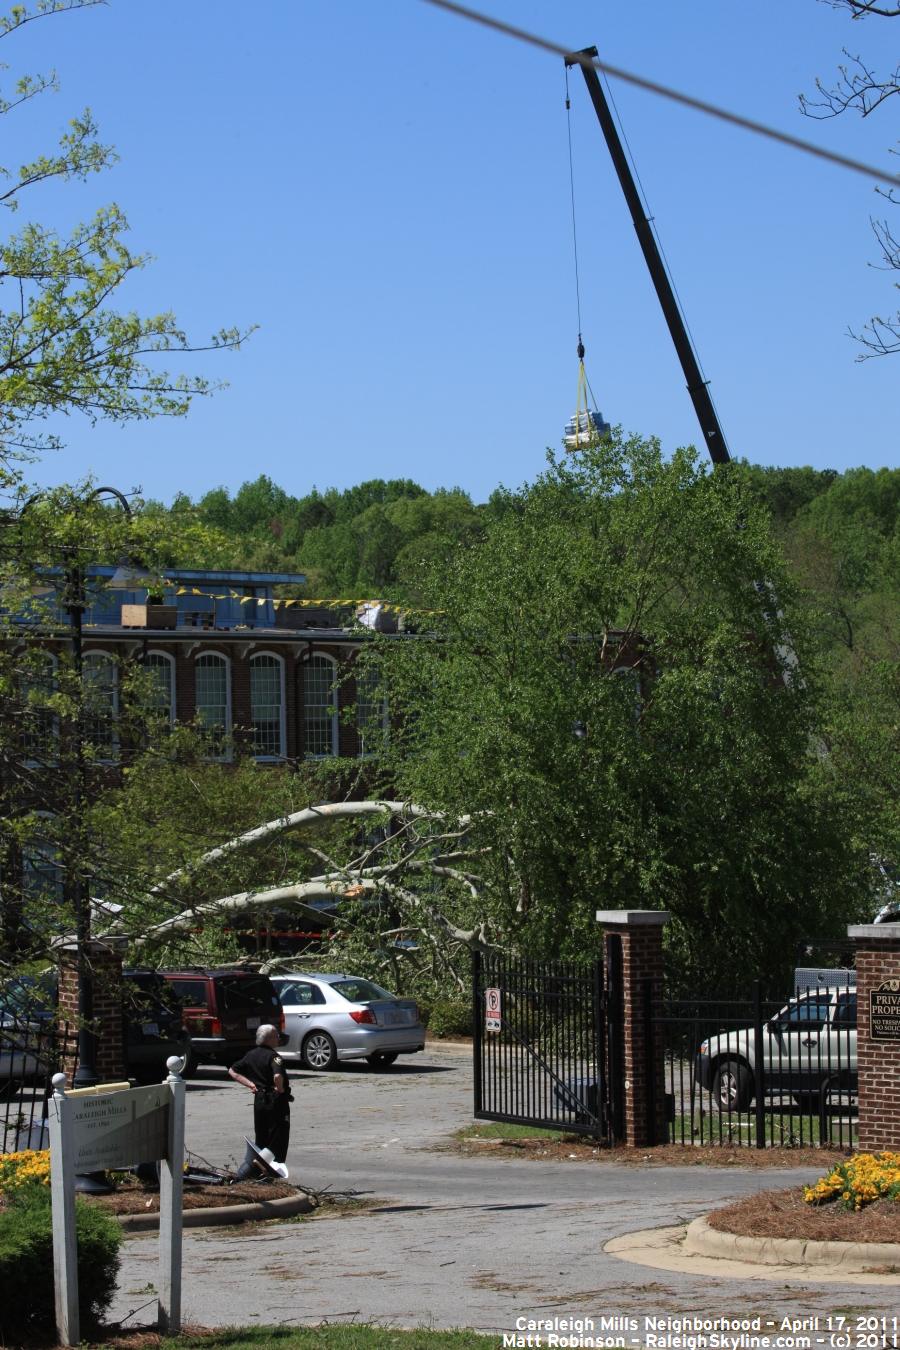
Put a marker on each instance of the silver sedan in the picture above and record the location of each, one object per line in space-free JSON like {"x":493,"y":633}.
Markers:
{"x":329,"y":1018}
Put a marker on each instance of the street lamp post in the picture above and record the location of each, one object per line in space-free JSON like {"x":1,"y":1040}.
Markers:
{"x":75,"y":598}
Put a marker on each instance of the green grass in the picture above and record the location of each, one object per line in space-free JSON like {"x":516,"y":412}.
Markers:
{"x":783,"y":1130}
{"x":333,"y":1336}
{"x":497,"y":1129}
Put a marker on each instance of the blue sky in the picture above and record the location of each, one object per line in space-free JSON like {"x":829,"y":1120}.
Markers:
{"x":384,"y":190}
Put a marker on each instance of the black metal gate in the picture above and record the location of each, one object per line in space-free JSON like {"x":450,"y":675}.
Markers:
{"x":541,"y":1048}
{"x":762,"y":1074}
{"x":31,"y":1052}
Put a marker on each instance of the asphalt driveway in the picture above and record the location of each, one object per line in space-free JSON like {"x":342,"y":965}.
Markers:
{"x":449,"y":1240}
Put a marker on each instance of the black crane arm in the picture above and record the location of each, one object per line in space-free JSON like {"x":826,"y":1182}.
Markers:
{"x":696,"y":385}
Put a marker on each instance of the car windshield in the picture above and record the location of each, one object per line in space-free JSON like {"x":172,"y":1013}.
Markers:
{"x":360,"y":991}
{"x":247,"y":992}
{"x":191,"y":993}
{"x":146,"y":994}
{"x":29,"y":995}
{"x":812,"y":1012}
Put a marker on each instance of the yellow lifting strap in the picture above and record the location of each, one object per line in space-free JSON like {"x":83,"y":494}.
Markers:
{"x":582,"y":407}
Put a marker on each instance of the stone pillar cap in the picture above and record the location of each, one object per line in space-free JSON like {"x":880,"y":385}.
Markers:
{"x":886,"y":932}
{"x":635,"y":918}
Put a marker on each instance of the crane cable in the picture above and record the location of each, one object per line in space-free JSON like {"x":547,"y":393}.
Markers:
{"x":584,"y":390}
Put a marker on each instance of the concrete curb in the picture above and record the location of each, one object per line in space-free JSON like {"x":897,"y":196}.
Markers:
{"x":224,"y":1214}
{"x":701,"y":1240}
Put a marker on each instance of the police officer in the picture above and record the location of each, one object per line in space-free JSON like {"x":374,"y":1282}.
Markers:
{"x":262,"y":1071}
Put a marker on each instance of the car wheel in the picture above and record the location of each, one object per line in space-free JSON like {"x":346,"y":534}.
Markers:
{"x":382,"y":1059}
{"x":191,"y":1063}
{"x":319,"y":1051}
{"x":732,"y":1086}
{"x":808,"y":1102}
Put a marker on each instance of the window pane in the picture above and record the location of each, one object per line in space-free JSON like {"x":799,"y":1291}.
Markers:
{"x":160,"y":692}
{"x":42,"y":872}
{"x":320,"y":708}
{"x":266,"y":706}
{"x":371,"y":713}
{"x":40,"y":730}
{"x":101,"y":704}
{"x":211,"y":695}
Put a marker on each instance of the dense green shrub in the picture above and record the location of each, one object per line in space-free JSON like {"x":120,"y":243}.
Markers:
{"x":447,"y":1017}
{"x":26,"y":1263}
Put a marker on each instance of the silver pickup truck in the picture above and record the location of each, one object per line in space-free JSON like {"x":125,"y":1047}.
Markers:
{"x":808,"y":1049}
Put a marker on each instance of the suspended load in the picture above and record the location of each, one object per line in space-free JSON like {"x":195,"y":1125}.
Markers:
{"x":587,"y":427}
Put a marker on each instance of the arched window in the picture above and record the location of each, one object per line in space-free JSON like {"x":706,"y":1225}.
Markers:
{"x":320,"y":714}
{"x":40,"y":724}
{"x":213,"y":701}
{"x":100,"y":677}
{"x":371,"y":713}
{"x":160,"y":666}
{"x":43,"y":876}
{"x":267,"y":706}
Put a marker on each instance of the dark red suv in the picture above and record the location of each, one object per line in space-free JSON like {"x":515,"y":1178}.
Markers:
{"x":222,"y":1010}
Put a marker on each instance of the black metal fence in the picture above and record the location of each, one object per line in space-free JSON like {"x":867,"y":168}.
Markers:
{"x":30,"y":1054}
{"x":757,"y":1074}
{"x":540,"y":1044}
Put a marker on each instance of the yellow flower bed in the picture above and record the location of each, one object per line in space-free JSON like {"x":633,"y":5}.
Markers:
{"x":867,"y":1177}
{"x":18,"y":1169}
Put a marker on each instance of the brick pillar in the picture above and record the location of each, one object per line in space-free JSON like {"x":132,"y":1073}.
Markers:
{"x":642,"y":1115}
{"x":106,"y":969}
{"x":878,"y":1033}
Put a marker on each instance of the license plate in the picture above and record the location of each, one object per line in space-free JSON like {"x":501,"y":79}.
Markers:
{"x":396,"y":1018}
{"x":252,"y":1023}
{"x":150,"y":1029}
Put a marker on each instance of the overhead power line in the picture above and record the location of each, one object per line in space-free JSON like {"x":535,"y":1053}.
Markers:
{"x":674,"y":95}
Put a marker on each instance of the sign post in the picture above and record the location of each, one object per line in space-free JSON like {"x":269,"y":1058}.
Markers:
{"x":171,"y":1185}
{"x":93,"y":1129}
{"x":62,"y":1200}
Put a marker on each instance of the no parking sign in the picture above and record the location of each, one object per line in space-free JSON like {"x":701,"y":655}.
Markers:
{"x":492,"y":1010}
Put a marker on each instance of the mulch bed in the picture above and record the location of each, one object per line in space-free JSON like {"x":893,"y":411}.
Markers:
{"x":665,"y":1155}
{"x":130,"y":1197}
{"x":786,"y":1214}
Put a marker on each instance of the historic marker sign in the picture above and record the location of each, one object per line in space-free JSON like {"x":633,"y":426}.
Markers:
{"x":884,"y":1011}
{"x":119,"y":1129}
{"x":91,"y":1130}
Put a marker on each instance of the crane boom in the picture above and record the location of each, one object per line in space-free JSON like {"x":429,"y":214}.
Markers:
{"x":696,"y":385}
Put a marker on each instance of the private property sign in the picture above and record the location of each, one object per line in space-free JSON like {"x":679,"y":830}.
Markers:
{"x":884,"y":1011}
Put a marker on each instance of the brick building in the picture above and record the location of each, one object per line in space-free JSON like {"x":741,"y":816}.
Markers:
{"x":264,"y":674}
{"x":272,"y":674}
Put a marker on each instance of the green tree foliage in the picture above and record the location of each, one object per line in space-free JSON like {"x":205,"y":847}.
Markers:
{"x":608,"y":692}
{"x":63,"y":349}
{"x":58,"y":730}
{"x":369,"y":538}
{"x":786,"y":491}
{"x":185,"y":804}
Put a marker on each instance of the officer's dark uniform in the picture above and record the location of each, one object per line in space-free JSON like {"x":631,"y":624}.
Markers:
{"x":271,"y":1109}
